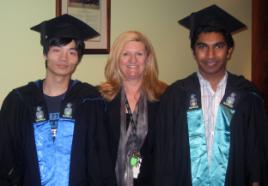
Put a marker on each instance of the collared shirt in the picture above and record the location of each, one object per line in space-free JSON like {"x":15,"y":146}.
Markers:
{"x":210,"y":103}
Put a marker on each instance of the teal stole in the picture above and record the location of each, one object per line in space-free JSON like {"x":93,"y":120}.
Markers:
{"x":204,"y":174}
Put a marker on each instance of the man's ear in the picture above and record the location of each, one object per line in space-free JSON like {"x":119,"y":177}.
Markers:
{"x":229,"y":52}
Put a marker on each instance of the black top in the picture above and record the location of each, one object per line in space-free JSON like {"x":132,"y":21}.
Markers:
{"x":246,"y":154}
{"x":53,"y":103}
{"x":90,"y":159}
{"x":113,"y":126}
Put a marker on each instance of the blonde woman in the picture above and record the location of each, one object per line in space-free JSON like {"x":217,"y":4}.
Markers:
{"x":132,"y":91}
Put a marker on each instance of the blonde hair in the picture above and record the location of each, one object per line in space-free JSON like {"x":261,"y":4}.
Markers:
{"x":151,"y":85}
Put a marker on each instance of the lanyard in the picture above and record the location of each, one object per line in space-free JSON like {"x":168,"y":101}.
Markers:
{"x":134,"y":156}
{"x":133,"y":123}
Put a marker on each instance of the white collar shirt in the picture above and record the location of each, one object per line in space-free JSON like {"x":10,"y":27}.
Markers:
{"x":210,"y":100}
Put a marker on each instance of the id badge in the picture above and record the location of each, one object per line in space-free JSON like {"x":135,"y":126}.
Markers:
{"x":135,"y":163}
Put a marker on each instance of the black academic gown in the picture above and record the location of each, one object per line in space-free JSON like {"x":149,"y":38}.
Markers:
{"x":172,"y":157}
{"x":90,"y":164}
{"x":113,"y":123}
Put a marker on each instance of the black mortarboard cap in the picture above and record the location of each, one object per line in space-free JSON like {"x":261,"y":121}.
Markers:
{"x":212,"y":16}
{"x":64,"y":26}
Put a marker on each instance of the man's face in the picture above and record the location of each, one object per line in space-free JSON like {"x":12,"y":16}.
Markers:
{"x":211,"y":53}
{"x":62,"y":60}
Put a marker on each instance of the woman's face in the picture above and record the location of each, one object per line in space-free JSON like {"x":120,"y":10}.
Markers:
{"x":132,"y":61}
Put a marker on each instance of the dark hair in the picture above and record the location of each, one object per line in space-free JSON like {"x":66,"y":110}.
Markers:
{"x":207,"y":29}
{"x":80,"y":45}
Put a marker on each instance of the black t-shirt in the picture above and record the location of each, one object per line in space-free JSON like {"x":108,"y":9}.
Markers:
{"x":54,"y":103}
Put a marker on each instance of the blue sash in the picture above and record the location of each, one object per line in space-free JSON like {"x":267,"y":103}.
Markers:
{"x":54,"y":155}
{"x":202,"y":173}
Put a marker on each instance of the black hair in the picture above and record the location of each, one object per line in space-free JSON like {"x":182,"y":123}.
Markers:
{"x":80,"y":45}
{"x":207,"y":29}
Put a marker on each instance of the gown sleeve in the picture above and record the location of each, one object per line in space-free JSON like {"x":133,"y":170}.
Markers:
{"x":247,"y":158}
{"x":10,"y":143}
{"x":260,"y":119}
{"x":99,"y":155}
{"x":171,"y":140}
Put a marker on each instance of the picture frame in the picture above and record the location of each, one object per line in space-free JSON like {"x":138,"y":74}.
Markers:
{"x":97,"y":14}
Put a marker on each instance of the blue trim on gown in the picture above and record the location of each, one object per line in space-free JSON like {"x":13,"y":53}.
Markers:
{"x":54,"y":154}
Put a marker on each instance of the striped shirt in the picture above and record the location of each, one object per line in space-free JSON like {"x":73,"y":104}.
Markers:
{"x":210,"y":103}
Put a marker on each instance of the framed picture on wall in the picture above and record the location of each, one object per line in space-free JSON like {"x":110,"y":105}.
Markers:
{"x":96,"y":13}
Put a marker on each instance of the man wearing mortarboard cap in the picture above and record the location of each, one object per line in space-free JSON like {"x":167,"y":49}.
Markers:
{"x":51,"y":131}
{"x":208,"y":125}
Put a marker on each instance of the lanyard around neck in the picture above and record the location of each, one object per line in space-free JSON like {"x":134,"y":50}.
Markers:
{"x":132,"y":121}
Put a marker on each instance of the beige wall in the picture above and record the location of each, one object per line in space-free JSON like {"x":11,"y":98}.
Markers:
{"x":21,"y":53}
